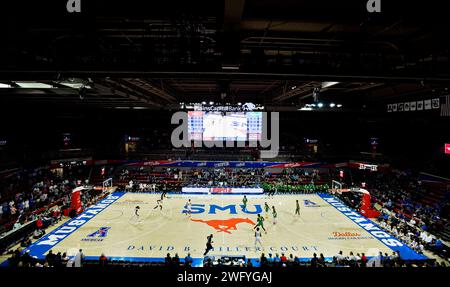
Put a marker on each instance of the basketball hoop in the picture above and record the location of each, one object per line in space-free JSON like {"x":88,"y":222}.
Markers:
{"x":107,"y":185}
{"x":333,"y":190}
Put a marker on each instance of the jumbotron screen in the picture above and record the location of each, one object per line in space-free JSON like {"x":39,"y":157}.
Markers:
{"x":218,"y":126}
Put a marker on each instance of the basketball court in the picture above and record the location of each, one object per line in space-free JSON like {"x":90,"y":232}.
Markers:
{"x":111,"y":227}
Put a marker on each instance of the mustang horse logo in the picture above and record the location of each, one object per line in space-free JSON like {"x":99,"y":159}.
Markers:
{"x":223,"y":225}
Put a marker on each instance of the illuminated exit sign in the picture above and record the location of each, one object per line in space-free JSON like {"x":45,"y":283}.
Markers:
{"x":447,"y":148}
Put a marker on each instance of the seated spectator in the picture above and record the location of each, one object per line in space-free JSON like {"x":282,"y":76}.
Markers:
{"x":351,"y":259}
{"x":340,"y":258}
{"x":270,"y":259}
{"x":314,"y":261}
{"x":363,"y":260}
{"x":321,"y":262}
{"x":208,"y":263}
{"x":263,"y":260}
{"x":176,"y":260}
{"x":103,"y":260}
{"x":17,"y":225}
{"x":26,"y":259}
{"x":188,"y":260}
{"x":283,"y":258}
{"x":64,"y":259}
{"x":438,"y":245}
{"x":276,"y":260}
{"x":290,"y":259}
{"x":58,"y":260}
{"x":50,"y":258}
{"x":38,"y":233}
{"x":25,"y":243}
{"x":168,"y":260}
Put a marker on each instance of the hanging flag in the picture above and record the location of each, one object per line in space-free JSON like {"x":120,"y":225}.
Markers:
{"x":445,"y":107}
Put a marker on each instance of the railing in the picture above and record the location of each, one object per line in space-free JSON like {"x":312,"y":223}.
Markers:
{"x":14,"y":236}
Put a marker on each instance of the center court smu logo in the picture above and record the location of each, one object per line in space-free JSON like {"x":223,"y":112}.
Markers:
{"x":230,"y":209}
{"x":98,"y":235}
{"x":224,"y":225}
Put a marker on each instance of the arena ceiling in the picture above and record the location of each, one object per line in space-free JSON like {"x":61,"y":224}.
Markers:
{"x":143,"y":54}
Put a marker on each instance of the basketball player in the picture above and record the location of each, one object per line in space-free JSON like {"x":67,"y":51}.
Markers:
{"x":136,"y":211}
{"x":269,"y":192}
{"x":266,"y":209}
{"x":244,"y":201}
{"x":164,"y":193}
{"x":273,"y":190}
{"x":258,"y":237}
{"x":274,"y":214}
{"x":297,"y":209}
{"x":189,"y":208}
{"x":158,"y":204}
{"x":260,"y":223}
{"x":208,"y":244}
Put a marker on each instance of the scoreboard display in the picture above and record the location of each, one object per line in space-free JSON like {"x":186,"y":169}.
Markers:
{"x":219,"y":126}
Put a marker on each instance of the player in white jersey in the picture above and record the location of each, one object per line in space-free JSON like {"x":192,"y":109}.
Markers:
{"x":189,"y":208}
{"x":258,"y":237}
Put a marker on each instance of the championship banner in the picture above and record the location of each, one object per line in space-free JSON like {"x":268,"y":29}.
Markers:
{"x":431,"y":104}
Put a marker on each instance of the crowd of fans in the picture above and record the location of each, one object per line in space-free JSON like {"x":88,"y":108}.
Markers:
{"x":340,"y":260}
{"x":173,"y":179}
{"x":32,"y":201}
{"x":402,"y":214}
{"x":38,"y":195}
{"x":58,"y":260}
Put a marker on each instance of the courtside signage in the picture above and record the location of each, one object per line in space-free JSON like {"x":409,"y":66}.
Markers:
{"x":222,"y":190}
